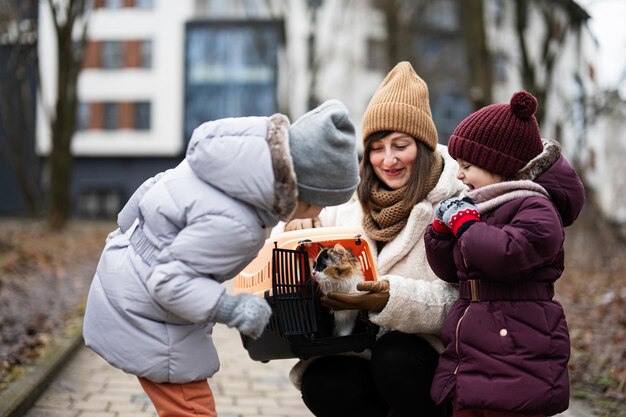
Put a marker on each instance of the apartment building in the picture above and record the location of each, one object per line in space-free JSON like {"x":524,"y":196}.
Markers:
{"x":153,"y":71}
{"x":156,"y":69}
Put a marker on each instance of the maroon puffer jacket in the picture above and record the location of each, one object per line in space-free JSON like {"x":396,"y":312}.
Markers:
{"x":509,"y":352}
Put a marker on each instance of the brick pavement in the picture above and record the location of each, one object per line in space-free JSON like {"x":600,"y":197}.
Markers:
{"x":89,"y":387}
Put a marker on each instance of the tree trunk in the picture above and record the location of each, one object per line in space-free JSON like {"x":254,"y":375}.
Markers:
{"x":393,"y":28}
{"x":471,"y":16}
{"x":69,"y":63}
{"x":549,"y":53}
{"x":313,"y":61}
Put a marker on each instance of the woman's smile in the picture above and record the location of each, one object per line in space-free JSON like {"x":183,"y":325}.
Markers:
{"x":394,"y":172}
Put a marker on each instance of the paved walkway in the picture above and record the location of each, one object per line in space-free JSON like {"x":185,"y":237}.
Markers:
{"x":89,"y":387}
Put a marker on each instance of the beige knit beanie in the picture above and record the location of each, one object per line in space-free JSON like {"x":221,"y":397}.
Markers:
{"x":401,"y":104}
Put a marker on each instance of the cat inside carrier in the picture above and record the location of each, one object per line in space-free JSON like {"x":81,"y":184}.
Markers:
{"x":292,"y":273}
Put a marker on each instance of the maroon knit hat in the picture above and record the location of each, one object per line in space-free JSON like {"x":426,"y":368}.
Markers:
{"x":501,"y":138}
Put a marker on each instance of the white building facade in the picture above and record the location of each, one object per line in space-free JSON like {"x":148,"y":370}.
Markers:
{"x":155,"y":69}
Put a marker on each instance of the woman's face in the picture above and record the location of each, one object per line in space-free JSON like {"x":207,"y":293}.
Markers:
{"x":393,"y":158}
{"x":475,"y":177}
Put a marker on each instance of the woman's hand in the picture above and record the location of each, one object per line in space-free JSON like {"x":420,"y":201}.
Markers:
{"x":374,"y":300}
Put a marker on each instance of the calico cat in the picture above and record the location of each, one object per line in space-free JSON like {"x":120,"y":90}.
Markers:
{"x":337,"y":269}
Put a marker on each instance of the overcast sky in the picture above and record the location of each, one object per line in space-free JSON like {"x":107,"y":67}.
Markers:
{"x":608,"y":23}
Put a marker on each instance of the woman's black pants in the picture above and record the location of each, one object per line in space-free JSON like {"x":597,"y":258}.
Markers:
{"x":395,"y":383}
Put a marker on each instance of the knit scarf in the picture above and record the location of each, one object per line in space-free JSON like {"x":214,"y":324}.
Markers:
{"x":492,"y":196}
{"x":388,"y":214}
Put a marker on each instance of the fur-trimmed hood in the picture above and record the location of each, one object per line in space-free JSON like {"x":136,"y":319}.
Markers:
{"x":248,"y":158}
{"x":554,"y":173}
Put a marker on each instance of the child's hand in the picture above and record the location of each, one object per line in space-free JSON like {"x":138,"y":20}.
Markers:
{"x":439,"y":224}
{"x":246,"y":312}
{"x":444,"y":205}
{"x":446,"y":209}
{"x":457,"y":214}
{"x":300,"y":224}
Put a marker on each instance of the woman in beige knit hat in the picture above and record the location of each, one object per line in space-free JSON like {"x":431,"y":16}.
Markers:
{"x":404,"y":173}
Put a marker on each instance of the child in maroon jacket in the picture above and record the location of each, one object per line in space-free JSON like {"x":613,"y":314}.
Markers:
{"x":506,"y":338}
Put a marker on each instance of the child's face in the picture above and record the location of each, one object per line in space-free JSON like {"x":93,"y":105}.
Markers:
{"x":393,"y":158}
{"x":475,"y":177}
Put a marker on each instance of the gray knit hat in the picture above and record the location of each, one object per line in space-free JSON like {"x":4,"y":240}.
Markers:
{"x":324,"y":155}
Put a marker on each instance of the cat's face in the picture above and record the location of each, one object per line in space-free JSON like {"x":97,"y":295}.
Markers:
{"x":334,"y":265}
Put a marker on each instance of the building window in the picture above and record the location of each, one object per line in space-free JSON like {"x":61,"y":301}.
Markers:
{"x":145,"y":54}
{"x":111,"y":116}
{"x":142,"y":115}
{"x":114,"y":115}
{"x":500,"y":63}
{"x":99,"y":203}
{"x":442,"y":15}
{"x":119,"y":4}
{"x":376,"y":55}
{"x":144,"y":4}
{"x":112,"y":54}
{"x":431,"y":48}
{"x":117,"y":55}
{"x":113,"y":4}
{"x":448,"y":111}
{"x":230,"y":70}
{"x":83,"y":116}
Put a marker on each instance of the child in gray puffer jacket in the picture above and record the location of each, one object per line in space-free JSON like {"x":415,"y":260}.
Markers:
{"x":157,"y":290}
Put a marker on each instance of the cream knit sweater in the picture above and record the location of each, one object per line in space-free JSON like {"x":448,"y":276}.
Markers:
{"x":418,"y":300}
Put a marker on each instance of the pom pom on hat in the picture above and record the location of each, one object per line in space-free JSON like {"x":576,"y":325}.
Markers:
{"x":501,"y":138}
{"x":523,"y":105}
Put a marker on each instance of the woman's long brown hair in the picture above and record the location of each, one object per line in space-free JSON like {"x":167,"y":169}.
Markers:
{"x":421,"y":172}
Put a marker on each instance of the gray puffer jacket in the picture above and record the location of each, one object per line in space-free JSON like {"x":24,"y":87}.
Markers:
{"x":181,"y":235}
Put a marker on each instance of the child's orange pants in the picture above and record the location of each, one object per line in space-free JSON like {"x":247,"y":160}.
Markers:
{"x":194,"y":399}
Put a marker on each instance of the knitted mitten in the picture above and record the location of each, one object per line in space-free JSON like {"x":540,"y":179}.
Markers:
{"x":458,"y":214}
{"x":438,"y":224}
{"x":246,"y":312}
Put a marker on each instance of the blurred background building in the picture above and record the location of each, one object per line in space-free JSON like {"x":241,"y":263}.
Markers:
{"x":153,"y":70}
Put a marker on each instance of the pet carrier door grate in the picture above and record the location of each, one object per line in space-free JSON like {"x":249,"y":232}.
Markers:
{"x":295,"y":306}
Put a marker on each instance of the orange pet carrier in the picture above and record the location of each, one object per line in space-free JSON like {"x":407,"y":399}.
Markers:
{"x":300,"y":327}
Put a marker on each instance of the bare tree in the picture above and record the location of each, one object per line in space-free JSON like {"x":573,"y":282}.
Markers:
{"x":400,"y":25}
{"x":538,"y":76}
{"x":313,"y":61}
{"x":472,"y":19}
{"x":18,"y":89}
{"x":68,"y":17}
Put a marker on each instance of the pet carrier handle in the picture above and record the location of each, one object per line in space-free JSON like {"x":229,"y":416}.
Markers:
{"x":302,"y":242}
